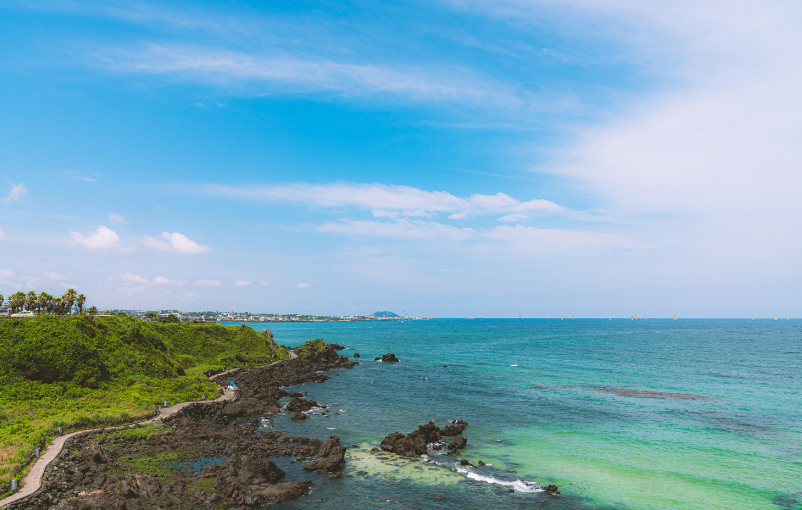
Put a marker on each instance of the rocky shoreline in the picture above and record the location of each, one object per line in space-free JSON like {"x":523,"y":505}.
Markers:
{"x":156,"y":466}
{"x":218,"y":455}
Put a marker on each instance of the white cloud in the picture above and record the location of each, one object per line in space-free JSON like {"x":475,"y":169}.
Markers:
{"x":161,"y":280}
{"x":5,"y":273}
{"x":208,"y":283}
{"x":134,"y":278}
{"x":303,"y":285}
{"x":191,"y":296}
{"x":175,"y":242}
{"x":52,"y":276}
{"x":103,"y":238}
{"x":65,"y":285}
{"x":17,"y":192}
{"x":3,"y":236}
{"x":388,"y":200}
{"x":158,"y":280}
{"x":241,"y":283}
{"x":292,"y":74}
{"x":513,"y":218}
{"x":264,"y":282}
{"x":116,"y":218}
{"x":199,"y":105}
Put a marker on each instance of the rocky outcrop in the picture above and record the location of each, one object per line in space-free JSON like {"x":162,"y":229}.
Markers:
{"x":330,"y":456}
{"x":298,"y":416}
{"x":455,"y":428}
{"x":415,"y":443}
{"x":299,"y":404}
{"x":389,"y":358}
{"x":457,"y":443}
{"x":356,"y":355}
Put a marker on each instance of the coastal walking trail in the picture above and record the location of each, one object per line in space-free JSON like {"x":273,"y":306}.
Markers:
{"x":33,"y":480}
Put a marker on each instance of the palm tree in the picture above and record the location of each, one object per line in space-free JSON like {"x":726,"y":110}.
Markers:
{"x":1,"y":300}
{"x":30,"y":301}
{"x":58,"y":306}
{"x":16,"y":301}
{"x":43,"y":302}
{"x":79,"y":301}
{"x":69,"y":299}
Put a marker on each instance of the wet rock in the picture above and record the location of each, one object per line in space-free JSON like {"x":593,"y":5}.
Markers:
{"x":552,"y":489}
{"x":455,"y":429}
{"x":287,"y":491}
{"x":457,"y":443}
{"x":466,"y":462}
{"x":330,"y":456}
{"x":337,"y":347}
{"x":299,"y":416}
{"x":300,"y":404}
{"x":389,"y":358}
{"x":481,"y":463}
{"x":414,"y":444}
{"x":356,"y":355}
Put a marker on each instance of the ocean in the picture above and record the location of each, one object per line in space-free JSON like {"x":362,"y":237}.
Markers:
{"x":644,"y":414}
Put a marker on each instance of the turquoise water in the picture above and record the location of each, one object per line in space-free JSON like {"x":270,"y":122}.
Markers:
{"x":545,"y":421}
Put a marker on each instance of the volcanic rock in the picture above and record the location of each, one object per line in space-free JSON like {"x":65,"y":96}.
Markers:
{"x":457,"y":443}
{"x":389,"y":358}
{"x":330,"y":456}
{"x":300,"y":404}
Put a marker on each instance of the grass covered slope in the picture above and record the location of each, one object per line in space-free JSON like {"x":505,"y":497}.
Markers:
{"x":58,"y":371}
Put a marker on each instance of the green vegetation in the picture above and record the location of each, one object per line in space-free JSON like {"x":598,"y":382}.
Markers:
{"x":310,"y":347}
{"x":384,"y":314}
{"x":84,"y":371}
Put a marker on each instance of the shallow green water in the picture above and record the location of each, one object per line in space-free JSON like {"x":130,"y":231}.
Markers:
{"x":545,"y":421}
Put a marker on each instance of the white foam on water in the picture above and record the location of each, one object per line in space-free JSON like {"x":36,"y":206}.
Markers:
{"x":331,"y":428}
{"x":519,"y":485}
{"x":514,"y":365}
{"x":342,"y":410}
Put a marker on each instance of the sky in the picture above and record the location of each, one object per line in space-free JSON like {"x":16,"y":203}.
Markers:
{"x":448,"y":158}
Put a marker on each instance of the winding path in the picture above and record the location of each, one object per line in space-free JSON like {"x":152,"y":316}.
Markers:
{"x":33,"y":480}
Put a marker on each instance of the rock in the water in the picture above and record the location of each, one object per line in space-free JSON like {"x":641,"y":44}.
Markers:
{"x":389,"y":358}
{"x":413,"y":444}
{"x":300,"y":404}
{"x":330,"y":456}
{"x":337,"y":347}
{"x":455,"y":429}
{"x":356,"y":355}
{"x":552,"y":489}
{"x":457,"y":443}
{"x":299,"y":416}
{"x":481,"y":462}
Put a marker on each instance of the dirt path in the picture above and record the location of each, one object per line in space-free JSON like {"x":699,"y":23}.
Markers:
{"x":33,"y":480}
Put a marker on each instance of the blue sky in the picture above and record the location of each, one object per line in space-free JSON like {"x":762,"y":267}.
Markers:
{"x":448,"y":158}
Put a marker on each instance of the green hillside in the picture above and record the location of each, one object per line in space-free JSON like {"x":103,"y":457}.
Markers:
{"x":58,"y":371}
{"x":384,"y":314}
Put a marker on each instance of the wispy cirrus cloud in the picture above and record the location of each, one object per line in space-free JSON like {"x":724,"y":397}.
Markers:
{"x":384,"y":200}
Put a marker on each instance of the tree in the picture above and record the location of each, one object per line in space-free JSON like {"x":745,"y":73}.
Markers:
{"x":45,"y":300}
{"x":151,"y":316}
{"x":79,"y":302}
{"x":69,"y":299}
{"x":58,"y":306}
{"x":30,"y":301}
{"x":92,"y":310}
{"x":16,"y":301}
{"x":1,"y":300}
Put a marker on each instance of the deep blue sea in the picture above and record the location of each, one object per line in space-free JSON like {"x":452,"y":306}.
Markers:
{"x":723,"y":429}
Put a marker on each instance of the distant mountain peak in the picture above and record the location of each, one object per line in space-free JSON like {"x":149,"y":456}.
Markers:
{"x":384,"y":314}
